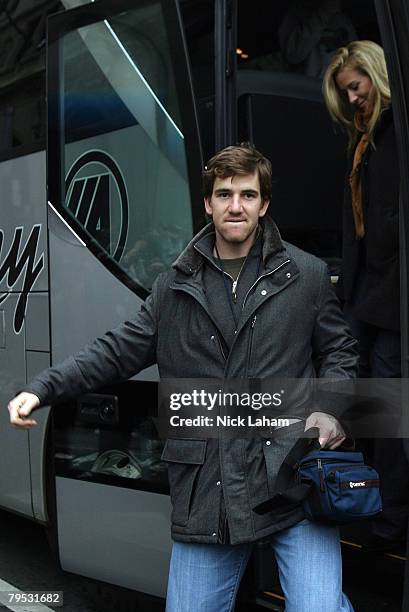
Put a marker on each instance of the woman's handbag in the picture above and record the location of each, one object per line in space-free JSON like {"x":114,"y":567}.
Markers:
{"x":334,"y":487}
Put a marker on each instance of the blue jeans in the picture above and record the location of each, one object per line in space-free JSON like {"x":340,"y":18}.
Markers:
{"x":206,"y":577}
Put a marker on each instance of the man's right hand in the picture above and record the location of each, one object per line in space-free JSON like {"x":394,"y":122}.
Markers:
{"x":20,"y":408}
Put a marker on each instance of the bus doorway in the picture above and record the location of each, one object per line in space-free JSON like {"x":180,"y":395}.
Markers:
{"x":282,"y":51}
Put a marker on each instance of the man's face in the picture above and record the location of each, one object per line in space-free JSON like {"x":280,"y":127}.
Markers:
{"x":236,"y":206}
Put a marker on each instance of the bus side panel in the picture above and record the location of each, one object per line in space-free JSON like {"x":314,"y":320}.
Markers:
{"x":24,"y":323}
{"x":86,"y":299}
{"x":40,"y":470}
{"x":14,"y":466}
{"x":113,"y":534}
{"x":105,"y":532}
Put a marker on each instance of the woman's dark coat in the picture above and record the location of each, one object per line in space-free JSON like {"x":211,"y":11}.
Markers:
{"x":370,"y":267}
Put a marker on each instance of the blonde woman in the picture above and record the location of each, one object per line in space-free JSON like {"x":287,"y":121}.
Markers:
{"x":357,"y":94}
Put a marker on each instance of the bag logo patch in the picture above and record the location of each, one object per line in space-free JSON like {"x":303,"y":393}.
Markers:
{"x":360,"y":484}
{"x":353,"y":484}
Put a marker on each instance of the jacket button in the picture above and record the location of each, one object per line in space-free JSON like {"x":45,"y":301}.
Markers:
{"x":214,"y":534}
{"x":218,"y":483}
{"x":288,"y":275}
{"x":268,"y":442}
{"x":211,"y":337}
{"x":264,"y":292}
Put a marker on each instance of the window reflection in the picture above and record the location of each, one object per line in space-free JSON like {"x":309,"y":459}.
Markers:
{"x":122,"y":104}
{"x":126,"y":453}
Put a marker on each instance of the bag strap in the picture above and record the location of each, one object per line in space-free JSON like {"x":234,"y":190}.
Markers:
{"x":293,"y":495}
{"x":286,"y":494}
{"x":302,"y":447}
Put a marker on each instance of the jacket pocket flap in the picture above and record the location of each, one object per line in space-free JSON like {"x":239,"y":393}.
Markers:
{"x":183,"y":450}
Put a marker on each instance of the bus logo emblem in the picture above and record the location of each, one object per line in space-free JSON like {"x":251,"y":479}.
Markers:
{"x":97,"y":197}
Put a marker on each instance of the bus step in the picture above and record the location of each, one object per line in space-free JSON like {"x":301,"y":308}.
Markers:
{"x":351,"y":547}
{"x":271,"y":600}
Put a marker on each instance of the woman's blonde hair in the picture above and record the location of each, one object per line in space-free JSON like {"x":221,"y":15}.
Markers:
{"x":367,"y":58}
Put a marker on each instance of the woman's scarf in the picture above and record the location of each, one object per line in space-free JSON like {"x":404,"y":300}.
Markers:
{"x":355,"y":176}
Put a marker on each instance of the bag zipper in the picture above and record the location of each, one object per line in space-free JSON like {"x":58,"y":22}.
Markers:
{"x":313,"y":461}
{"x":321,"y":475}
{"x":332,"y":475}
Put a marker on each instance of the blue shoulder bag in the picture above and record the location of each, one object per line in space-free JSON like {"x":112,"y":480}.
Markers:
{"x":334,"y":487}
{"x":342,"y":487}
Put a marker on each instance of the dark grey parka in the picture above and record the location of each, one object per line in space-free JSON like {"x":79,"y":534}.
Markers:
{"x":300,"y":332}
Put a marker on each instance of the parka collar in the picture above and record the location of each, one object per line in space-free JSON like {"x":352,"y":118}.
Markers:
{"x":190,"y":260}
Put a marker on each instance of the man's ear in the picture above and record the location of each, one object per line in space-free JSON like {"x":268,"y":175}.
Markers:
{"x":208,"y":206}
{"x":264,"y":208}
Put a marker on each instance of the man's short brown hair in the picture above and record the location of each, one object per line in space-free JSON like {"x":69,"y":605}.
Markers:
{"x":239,"y":160}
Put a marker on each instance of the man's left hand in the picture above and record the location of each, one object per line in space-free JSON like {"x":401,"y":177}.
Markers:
{"x":331,"y":433}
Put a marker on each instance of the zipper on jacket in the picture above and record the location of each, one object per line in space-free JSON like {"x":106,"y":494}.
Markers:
{"x":216,"y":339}
{"x":234,"y":282}
{"x":263,"y":276}
{"x":250,"y":345}
{"x":247,"y":294}
{"x":234,"y":287}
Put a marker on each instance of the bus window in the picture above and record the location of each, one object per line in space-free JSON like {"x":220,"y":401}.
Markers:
{"x":198,"y":22}
{"x":124,"y":173}
{"x":198,"y":25}
{"x":122,"y":143}
{"x":22,"y":77}
{"x":97,"y":440}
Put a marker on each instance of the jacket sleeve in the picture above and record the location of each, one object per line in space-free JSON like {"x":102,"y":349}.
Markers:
{"x":334,"y":349}
{"x":335,"y":353}
{"x":115,"y":356}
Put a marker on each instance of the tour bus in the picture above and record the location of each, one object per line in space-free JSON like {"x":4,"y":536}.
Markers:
{"x":101,"y":189}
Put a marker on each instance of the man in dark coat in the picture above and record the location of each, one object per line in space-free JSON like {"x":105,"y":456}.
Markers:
{"x":238,"y":303}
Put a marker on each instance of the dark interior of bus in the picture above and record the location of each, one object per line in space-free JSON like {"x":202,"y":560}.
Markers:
{"x":281,"y":110}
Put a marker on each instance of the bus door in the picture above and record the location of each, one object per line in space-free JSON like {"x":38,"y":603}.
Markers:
{"x":124,"y":191}
{"x":394,"y":19}
{"x":283,"y":49}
